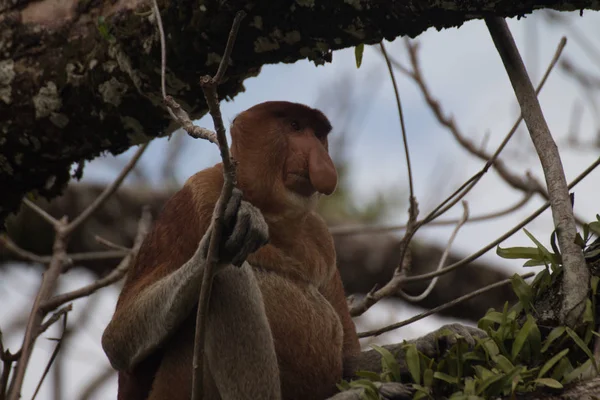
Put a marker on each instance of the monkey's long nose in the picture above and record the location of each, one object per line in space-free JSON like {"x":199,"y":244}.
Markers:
{"x":321,"y":170}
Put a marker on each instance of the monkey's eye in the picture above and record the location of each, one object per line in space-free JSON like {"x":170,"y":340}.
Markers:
{"x":295,"y":125}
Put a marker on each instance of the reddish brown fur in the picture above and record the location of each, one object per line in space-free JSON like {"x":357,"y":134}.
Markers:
{"x":301,"y":286}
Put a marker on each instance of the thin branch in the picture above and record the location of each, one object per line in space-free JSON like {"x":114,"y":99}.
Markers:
{"x":116,"y":274}
{"x":107,"y":192}
{"x":510,"y":178}
{"x":175,"y":111}
{"x":19,"y":252}
{"x":429,"y":289}
{"x":52,"y":357}
{"x":209,"y":87}
{"x":502,"y":238}
{"x":42,"y":213}
{"x":36,"y":315}
{"x":364,"y":229}
{"x":576,"y":276}
{"x":462,"y":299}
{"x":401,"y":116}
{"x":54,"y":317}
{"x":110,"y":244}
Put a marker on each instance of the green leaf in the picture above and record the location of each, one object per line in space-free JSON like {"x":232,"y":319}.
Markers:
{"x":582,"y":346}
{"x":594,"y":284}
{"x":469,"y":386}
{"x":446,"y":378}
{"x":370,"y":375}
{"x":551,"y":383}
{"x":551,"y":257}
{"x":428,"y":378}
{"x":554,"y":334}
{"x":522,"y":290}
{"x":588,"y":313}
{"x":522,"y":336}
{"x":578,"y":372}
{"x":595,"y":227}
{"x":519,"y":252}
{"x":412,"y":361}
{"x":358,"y":54}
{"x":486,"y":383}
{"x":550,"y":363}
{"x":388,"y":362}
{"x":563,"y":368}
{"x":504,"y":363}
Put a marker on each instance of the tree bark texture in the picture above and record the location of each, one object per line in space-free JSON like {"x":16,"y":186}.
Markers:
{"x":81,"y":78}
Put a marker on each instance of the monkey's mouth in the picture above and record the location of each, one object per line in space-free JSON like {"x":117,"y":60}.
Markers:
{"x":299,"y":182}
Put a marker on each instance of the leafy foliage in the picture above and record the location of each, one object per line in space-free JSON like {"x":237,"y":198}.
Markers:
{"x":518,"y":356}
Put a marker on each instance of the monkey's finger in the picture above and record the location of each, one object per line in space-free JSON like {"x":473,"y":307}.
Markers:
{"x":235,"y":242}
{"x":231,"y":211}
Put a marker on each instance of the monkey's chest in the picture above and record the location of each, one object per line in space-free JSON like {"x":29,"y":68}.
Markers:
{"x":308,"y":337}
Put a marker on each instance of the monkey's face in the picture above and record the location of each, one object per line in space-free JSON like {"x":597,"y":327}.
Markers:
{"x":283,"y":157}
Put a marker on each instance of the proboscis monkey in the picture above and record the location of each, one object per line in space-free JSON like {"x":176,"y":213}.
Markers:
{"x":278,"y":326}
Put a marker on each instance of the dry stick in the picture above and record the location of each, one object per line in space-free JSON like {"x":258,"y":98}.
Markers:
{"x":174,"y":109}
{"x":209,"y":87}
{"x":114,"y":276}
{"x":429,"y":289}
{"x":52,"y":357}
{"x":377,"y":332}
{"x":36,"y":316}
{"x":106,"y":193}
{"x":50,"y":277}
{"x":502,"y":238}
{"x":401,"y":116}
{"x":413,"y":208}
{"x":576,"y":276}
{"x":361,"y":307}
{"x":353,"y":230}
{"x":449,"y":123}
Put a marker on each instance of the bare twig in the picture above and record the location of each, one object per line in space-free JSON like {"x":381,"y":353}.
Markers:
{"x":502,"y":238}
{"x":401,"y":116}
{"x":576,"y":276}
{"x":110,"y":244}
{"x":363,"y":229}
{"x":54,"y":317}
{"x":42,"y":213}
{"x":52,"y":357}
{"x":524,"y":184}
{"x":209,"y":86}
{"x":429,"y":289}
{"x":364,"y":304}
{"x":106,"y":193}
{"x":462,"y":299}
{"x":19,"y":252}
{"x":114,"y":276}
{"x":36,"y":316}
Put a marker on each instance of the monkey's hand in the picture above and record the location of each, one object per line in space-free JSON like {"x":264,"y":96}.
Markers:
{"x":437,"y":342}
{"x":245,"y":231}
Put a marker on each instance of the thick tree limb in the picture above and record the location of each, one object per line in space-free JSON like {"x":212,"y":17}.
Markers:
{"x":81,"y":78}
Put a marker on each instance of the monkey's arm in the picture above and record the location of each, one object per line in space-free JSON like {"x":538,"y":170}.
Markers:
{"x":158,"y":300}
